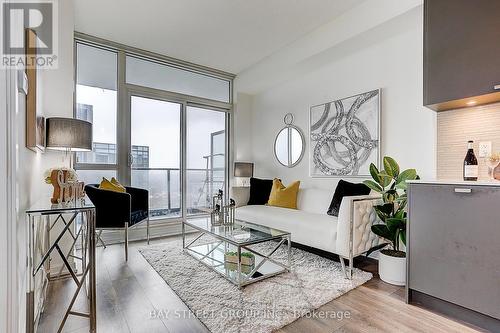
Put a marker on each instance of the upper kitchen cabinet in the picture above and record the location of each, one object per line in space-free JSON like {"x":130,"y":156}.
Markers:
{"x":461,"y":53}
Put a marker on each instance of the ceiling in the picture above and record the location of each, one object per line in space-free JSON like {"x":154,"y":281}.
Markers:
{"x":229,"y":35}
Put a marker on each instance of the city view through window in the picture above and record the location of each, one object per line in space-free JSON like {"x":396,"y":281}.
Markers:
{"x":154,"y":130}
{"x":155,"y":150}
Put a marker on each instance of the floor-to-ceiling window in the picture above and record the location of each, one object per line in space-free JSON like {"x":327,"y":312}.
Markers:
{"x":96,"y":101}
{"x":158,"y":124}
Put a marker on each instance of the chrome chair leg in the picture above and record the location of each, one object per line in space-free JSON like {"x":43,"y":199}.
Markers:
{"x":126,"y":241}
{"x":147,"y":230}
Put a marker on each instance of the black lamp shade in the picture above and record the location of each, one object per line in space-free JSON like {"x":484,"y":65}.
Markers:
{"x":243,"y":169}
{"x":69,"y":134}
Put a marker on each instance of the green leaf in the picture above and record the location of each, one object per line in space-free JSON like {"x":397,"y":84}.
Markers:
{"x":376,"y":248}
{"x":386,"y":208}
{"x":391,"y":166}
{"x":402,"y":197}
{"x":402,"y":186}
{"x":381,"y":215}
{"x":374,"y":172}
{"x":402,"y":204}
{"x":400,"y":213}
{"x":409,"y":174}
{"x":402,"y":236}
{"x":387,"y":167}
{"x":374,"y":186}
{"x":382,"y":231}
{"x":393,"y":224}
{"x":385,"y":178}
{"x":390,"y":196}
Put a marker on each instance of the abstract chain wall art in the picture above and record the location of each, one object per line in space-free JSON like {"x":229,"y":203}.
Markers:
{"x":345,"y":136}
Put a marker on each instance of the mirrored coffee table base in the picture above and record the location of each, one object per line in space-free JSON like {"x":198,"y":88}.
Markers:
{"x":211,"y":245}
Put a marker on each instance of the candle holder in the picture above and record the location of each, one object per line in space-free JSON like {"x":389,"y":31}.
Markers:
{"x":222,"y":214}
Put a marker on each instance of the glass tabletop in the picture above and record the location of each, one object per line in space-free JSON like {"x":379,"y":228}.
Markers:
{"x":44,"y":206}
{"x":240,"y":232}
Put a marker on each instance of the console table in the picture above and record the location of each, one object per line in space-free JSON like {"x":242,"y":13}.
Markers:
{"x":80,"y":229}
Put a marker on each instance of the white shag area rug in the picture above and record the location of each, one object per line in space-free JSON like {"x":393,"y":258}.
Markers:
{"x":260,"y":307}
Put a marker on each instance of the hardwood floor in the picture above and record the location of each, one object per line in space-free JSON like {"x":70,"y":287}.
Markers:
{"x":127,"y":293}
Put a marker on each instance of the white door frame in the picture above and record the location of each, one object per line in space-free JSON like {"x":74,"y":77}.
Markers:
{"x":11,"y":314}
{"x":3,"y":204}
{"x":10,"y":319}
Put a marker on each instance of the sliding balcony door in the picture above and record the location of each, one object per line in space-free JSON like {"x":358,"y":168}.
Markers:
{"x":155,"y":154}
{"x":156,"y":148}
{"x":206,"y":157}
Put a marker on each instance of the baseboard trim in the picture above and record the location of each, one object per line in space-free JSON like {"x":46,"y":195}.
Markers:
{"x":333,"y":256}
{"x":160,"y":230}
{"x":454,"y":311}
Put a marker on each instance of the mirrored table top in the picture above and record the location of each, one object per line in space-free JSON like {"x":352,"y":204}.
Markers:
{"x":44,"y":206}
{"x":241,"y":232}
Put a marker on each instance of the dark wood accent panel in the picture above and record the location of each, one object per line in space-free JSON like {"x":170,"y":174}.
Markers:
{"x":461,"y":52}
{"x":31,"y":72}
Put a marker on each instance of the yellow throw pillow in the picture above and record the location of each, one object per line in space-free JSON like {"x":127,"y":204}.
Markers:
{"x":118,"y":184}
{"x":109,"y":186}
{"x":282,"y":196}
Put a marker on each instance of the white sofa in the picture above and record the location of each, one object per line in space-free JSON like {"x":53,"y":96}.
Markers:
{"x":347,"y":235}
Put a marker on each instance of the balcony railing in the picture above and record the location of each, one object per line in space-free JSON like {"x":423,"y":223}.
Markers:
{"x":164,"y":185}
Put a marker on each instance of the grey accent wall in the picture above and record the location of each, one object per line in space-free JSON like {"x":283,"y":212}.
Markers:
{"x":455,"y":128}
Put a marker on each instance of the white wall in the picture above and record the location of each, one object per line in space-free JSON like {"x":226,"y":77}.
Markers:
{"x":243,"y":127}
{"x":388,"y":56}
{"x":56,"y":99}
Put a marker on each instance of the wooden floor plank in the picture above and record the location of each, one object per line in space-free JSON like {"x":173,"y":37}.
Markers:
{"x":128,"y":292}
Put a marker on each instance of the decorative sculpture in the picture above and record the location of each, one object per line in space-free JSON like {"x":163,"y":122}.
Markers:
{"x":67,"y":188}
{"x":222,"y":214}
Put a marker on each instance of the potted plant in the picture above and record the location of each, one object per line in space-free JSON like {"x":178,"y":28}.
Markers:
{"x":391,"y":184}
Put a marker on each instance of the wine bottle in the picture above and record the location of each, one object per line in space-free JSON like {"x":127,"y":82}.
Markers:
{"x":471,"y":169}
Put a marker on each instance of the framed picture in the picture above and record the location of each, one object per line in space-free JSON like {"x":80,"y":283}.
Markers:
{"x":35,"y":122}
{"x":345,"y":136}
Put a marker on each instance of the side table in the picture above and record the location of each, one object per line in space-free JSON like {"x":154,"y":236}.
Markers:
{"x":85,"y":231}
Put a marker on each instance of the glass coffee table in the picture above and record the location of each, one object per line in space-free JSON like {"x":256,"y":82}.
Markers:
{"x":225,"y":249}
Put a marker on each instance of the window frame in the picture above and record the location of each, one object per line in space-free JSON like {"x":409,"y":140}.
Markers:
{"x":126,"y":90}
{"x":97,"y":166}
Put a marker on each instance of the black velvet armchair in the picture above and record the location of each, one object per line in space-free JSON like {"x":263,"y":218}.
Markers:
{"x":115,"y":210}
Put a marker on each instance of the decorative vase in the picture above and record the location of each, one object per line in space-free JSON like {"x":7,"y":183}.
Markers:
{"x":392,"y":269}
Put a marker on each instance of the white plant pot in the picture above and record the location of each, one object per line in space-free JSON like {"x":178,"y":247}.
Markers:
{"x":392,"y":269}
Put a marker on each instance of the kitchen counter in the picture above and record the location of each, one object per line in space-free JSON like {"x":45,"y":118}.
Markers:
{"x":456,"y":182}
{"x":453,"y":257}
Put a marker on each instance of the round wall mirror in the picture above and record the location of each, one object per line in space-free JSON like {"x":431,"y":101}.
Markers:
{"x":289,"y":144}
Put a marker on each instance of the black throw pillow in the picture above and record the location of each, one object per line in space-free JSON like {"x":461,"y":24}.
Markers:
{"x":260,"y":189}
{"x":345,"y":189}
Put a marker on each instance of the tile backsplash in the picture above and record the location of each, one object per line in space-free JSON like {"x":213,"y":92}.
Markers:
{"x":455,"y":128}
